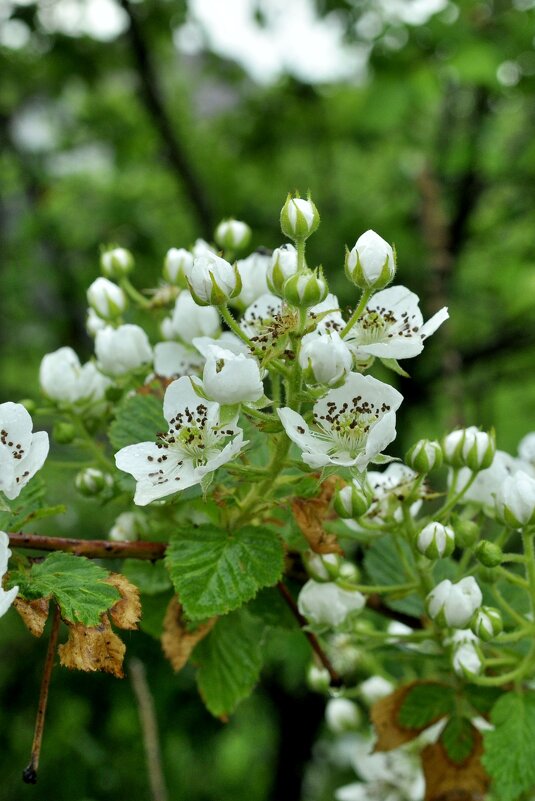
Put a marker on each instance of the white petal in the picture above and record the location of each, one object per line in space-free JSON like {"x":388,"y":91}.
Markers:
{"x":180,"y":395}
{"x":299,"y":432}
{"x":16,"y":421}
{"x":434,"y":322}
{"x":6,"y":599}
{"x":26,"y":468}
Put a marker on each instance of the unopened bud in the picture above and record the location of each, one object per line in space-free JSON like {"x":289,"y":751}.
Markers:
{"x":352,"y":501}
{"x":91,"y":482}
{"x":469,"y":447}
{"x":436,"y":541}
{"x":487,"y":623}
{"x":322,"y":567}
{"x":283,"y":266}
{"x":371,"y":263}
{"x":467,"y":659}
{"x":213,"y":281}
{"x":64,"y":433}
{"x":342,"y":715}
{"x":306,"y":288}
{"x":424,"y":456}
{"x":116,"y":262}
{"x":106,"y":298}
{"x":489,"y":554}
{"x":515,"y":501}
{"x":299,"y":218}
{"x":318,"y":678}
{"x":232,"y":234}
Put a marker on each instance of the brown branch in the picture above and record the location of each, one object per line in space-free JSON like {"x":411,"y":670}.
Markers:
{"x":336,"y":680}
{"x":174,"y":149}
{"x":96,"y":549}
{"x":149,"y":728}
{"x":29,"y":774}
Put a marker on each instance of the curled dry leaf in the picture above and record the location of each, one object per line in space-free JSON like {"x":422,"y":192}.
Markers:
{"x":126,"y":612}
{"x":447,"y":780}
{"x":93,"y":648}
{"x":34,"y":614}
{"x":177,"y":641}
{"x":311,"y":513}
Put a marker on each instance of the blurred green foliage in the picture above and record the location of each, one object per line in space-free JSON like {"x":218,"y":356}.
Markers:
{"x":435,"y":151}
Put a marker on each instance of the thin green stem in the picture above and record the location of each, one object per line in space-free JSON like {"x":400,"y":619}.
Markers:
{"x":448,"y":506}
{"x":512,"y":578}
{"x":516,"y":616}
{"x":134,"y":294}
{"x":226,"y":314}
{"x":364,"y":298}
{"x":300,"y":245}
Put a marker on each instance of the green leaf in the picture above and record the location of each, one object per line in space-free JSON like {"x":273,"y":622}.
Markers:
{"x":508,"y":756}
{"x":138,"y":419}
{"x":384,"y":566}
{"x":214,"y":572}
{"x":76,"y":584}
{"x":229,"y":661}
{"x":153,"y":608}
{"x":458,"y":739}
{"x":24,"y":507}
{"x":150,"y":577}
{"x":424,"y":704}
{"x":272,"y":610}
{"x":482,"y":698}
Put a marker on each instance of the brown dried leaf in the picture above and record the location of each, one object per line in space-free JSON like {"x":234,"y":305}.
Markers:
{"x":177,"y":641}
{"x":446,"y":780}
{"x":385,"y":718}
{"x":34,"y":614}
{"x":126,"y":612}
{"x":93,"y":648}
{"x":310,"y":514}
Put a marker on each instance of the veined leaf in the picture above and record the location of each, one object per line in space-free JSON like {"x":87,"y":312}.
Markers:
{"x":229,"y":661}
{"x":76,"y":584}
{"x":215,"y":572}
{"x":138,"y":419}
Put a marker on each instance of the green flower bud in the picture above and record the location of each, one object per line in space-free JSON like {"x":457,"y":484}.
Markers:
{"x":466,"y":532}
{"x":232,"y":235}
{"x":469,"y":447}
{"x":352,"y":501}
{"x":489,"y":554}
{"x":436,"y":541}
{"x":306,"y":288}
{"x":116,"y":262}
{"x":322,"y":567}
{"x":299,"y":218}
{"x":283,"y":265}
{"x":91,"y":482}
{"x":64,"y":433}
{"x":424,"y":456}
{"x":487,"y":623}
{"x":371,"y":263}
{"x":213,"y":281}
{"x":106,"y":298}
{"x":318,"y":679}
{"x":515,"y":500}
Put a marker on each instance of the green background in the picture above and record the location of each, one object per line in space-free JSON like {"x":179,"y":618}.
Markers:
{"x":434,"y":150}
